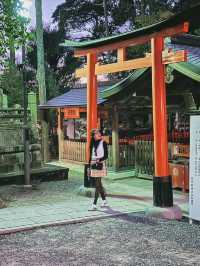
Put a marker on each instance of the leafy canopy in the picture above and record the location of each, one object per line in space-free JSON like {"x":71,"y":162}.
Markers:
{"x":13,"y":26}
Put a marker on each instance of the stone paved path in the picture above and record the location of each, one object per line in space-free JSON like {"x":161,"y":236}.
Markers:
{"x":58,"y":202}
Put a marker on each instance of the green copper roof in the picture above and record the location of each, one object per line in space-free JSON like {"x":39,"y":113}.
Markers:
{"x":123,"y":84}
{"x":188,"y":69}
{"x":191,"y":15}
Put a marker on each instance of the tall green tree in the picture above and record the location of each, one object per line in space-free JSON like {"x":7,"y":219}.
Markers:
{"x":41,"y":77}
{"x":59,"y":63}
{"x":13,"y":34}
{"x":85,"y":15}
{"x":40,"y":52}
{"x":13,"y":28}
{"x":89,"y":17}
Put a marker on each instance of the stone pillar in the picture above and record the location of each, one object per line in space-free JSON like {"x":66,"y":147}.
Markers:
{"x":1,"y":98}
{"x":32,"y":105}
{"x":45,"y":135}
{"x":60,"y":134}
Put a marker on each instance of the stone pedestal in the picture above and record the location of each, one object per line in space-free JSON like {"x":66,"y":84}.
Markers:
{"x":170,"y":213}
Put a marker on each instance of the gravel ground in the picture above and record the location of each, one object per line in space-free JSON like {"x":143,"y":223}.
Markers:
{"x":129,"y":240}
{"x":45,"y":192}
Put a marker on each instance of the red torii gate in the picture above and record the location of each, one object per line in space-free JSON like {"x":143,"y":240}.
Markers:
{"x":157,"y":59}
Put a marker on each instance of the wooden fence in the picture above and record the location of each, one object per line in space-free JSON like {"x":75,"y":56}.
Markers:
{"x":138,"y":155}
{"x":144,"y":157}
{"x":126,"y":155}
{"x":76,"y":151}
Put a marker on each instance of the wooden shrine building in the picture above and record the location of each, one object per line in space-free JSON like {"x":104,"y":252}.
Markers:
{"x":133,"y":102}
{"x":157,"y":60}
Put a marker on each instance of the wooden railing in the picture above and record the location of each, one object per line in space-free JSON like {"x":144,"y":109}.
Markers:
{"x":138,"y":155}
{"x":76,"y":151}
{"x":144,"y":157}
{"x":10,"y":137}
{"x":127,"y":155}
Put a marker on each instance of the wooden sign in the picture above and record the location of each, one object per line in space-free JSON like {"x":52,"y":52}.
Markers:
{"x":194,"y":199}
{"x":71,"y":113}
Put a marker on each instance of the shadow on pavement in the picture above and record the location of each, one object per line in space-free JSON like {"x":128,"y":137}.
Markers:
{"x":130,"y":217}
{"x":129,"y":197}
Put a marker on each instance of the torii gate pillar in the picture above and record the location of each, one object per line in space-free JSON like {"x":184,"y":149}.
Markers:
{"x":92,"y":121}
{"x":162,"y":183}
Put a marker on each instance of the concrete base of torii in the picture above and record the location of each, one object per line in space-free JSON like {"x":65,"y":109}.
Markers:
{"x":170,"y":213}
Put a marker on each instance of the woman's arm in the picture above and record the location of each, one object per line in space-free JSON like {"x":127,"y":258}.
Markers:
{"x":105,"y":147}
{"x":91,"y":147}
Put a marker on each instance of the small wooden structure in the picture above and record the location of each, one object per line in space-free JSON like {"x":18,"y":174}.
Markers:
{"x":71,"y":107}
{"x":157,"y":59}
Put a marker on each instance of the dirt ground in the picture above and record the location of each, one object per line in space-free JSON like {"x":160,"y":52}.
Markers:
{"x":129,"y":240}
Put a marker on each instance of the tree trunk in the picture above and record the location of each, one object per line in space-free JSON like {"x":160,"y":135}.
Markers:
{"x":106,"y":17}
{"x":12,"y":55}
{"x":41,"y":77}
{"x":40,"y":52}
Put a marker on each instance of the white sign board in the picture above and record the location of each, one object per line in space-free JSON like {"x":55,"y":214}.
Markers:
{"x":194,"y":192}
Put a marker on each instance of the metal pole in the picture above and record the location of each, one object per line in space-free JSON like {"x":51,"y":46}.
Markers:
{"x":26,"y":128}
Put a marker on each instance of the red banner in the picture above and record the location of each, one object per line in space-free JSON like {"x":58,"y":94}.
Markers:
{"x":71,"y":113}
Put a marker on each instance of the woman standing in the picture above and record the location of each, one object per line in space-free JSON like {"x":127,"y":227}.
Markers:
{"x":98,"y":156}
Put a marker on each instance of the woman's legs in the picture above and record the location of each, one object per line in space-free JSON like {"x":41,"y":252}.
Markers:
{"x":96,"y":195}
{"x":99,"y":190}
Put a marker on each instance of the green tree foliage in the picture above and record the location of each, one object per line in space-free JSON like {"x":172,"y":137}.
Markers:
{"x":81,"y":16}
{"x":85,"y":19}
{"x":12,"y":85}
{"x":59,"y":64}
{"x":88,"y":16}
{"x":13,"y":34}
{"x":13,"y":27}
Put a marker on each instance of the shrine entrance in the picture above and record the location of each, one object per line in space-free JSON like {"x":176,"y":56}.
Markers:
{"x":157,"y":59}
